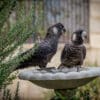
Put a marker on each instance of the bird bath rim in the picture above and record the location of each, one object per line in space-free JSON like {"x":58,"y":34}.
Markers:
{"x":61,"y":79}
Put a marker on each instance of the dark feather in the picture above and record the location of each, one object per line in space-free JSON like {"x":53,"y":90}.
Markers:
{"x":74,"y":53}
{"x":45,"y":50}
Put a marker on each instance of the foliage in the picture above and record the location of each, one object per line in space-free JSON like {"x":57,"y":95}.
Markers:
{"x":7,"y":94}
{"x":6,"y":6}
{"x":91,"y":91}
{"x":15,"y":37}
{"x":16,"y":92}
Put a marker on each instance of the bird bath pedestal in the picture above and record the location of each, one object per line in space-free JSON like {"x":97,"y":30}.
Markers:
{"x":61,"y":80}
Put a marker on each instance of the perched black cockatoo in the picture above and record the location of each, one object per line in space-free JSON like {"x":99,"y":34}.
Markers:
{"x":45,"y":50}
{"x":74,"y":52}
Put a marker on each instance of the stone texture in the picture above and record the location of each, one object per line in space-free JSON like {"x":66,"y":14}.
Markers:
{"x":61,"y":78}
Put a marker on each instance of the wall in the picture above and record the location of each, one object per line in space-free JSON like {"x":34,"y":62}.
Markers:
{"x":95,"y":23}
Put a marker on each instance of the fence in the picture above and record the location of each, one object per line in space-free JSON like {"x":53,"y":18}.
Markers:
{"x":74,"y":14}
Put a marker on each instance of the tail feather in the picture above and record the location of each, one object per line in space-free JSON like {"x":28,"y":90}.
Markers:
{"x":26,"y":62}
{"x":23,"y":65}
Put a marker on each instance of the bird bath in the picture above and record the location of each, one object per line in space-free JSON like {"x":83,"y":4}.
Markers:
{"x":61,"y":79}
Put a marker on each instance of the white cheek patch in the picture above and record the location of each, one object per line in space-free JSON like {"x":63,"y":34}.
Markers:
{"x":55,"y":30}
{"x":83,"y":35}
{"x":74,"y":37}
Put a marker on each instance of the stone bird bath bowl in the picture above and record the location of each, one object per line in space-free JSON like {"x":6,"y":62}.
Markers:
{"x":64,"y":78}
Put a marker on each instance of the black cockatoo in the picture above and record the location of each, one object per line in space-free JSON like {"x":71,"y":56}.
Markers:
{"x":45,"y":50}
{"x":74,"y":52}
